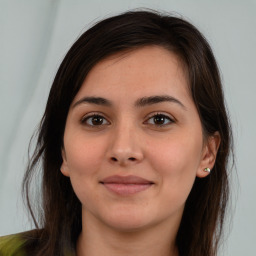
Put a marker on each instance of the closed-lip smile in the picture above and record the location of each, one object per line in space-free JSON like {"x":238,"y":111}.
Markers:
{"x":126,"y":185}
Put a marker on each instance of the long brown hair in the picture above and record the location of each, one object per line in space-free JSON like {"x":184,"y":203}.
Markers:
{"x":59,"y":215}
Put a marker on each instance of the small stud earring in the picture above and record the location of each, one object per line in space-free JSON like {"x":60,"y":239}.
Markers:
{"x":207,"y":170}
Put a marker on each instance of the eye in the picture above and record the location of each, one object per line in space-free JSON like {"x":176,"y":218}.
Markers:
{"x":160,"y":120}
{"x":94,"y":120}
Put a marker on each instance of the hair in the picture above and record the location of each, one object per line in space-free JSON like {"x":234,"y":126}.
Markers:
{"x":59,"y":218}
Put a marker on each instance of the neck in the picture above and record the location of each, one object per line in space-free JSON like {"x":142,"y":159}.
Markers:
{"x":103,"y":240}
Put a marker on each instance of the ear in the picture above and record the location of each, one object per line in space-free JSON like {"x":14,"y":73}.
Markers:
{"x":209,"y":154}
{"x":64,"y":166}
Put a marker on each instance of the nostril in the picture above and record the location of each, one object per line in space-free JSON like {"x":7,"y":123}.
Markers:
{"x":114,"y":159}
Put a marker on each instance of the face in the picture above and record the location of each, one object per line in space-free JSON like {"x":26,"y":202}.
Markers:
{"x":133,"y":141}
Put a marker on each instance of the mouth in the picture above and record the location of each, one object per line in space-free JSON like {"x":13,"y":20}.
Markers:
{"x":126,"y":185}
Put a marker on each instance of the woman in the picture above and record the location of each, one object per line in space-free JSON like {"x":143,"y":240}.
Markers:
{"x":134,"y":145}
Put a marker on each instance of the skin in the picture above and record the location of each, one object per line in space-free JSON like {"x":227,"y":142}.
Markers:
{"x":128,"y":140}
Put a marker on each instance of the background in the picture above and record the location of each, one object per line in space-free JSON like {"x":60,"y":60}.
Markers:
{"x":34,"y":37}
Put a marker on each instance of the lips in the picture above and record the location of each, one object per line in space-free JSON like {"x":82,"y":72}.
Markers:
{"x":126,"y":185}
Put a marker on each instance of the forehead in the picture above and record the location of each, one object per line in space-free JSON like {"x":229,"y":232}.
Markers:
{"x":147,"y":70}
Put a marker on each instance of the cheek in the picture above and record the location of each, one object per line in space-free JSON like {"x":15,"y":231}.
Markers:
{"x":175,"y":155}
{"x":83,"y":156}
{"x":84,"y":161}
{"x":176,"y":160}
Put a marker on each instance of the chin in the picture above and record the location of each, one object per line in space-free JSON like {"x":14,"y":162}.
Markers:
{"x":127,"y":225}
{"x":127,"y":220}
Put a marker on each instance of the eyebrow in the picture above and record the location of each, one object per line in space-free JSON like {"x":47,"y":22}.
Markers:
{"x":142,"y":102}
{"x":157,"y":99}
{"x":94,"y":100}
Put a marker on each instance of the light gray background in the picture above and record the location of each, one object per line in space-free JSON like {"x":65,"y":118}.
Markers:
{"x":34,"y":37}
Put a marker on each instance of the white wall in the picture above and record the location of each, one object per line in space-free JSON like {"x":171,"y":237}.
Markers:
{"x":35,"y":35}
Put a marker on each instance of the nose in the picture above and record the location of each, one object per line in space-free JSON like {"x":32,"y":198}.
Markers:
{"x":125,"y":147}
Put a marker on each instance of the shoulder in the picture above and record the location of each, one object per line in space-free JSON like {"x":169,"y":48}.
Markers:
{"x":19,"y":244}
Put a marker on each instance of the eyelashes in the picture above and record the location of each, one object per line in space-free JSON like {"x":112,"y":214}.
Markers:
{"x":94,"y":120}
{"x":97,"y":120}
{"x":159,"y":119}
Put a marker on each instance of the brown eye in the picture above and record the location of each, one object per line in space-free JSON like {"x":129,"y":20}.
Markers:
{"x":94,"y":120}
{"x":160,"y":120}
{"x":97,"y":120}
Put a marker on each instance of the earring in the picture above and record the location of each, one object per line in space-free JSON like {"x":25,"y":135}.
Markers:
{"x":207,"y":169}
